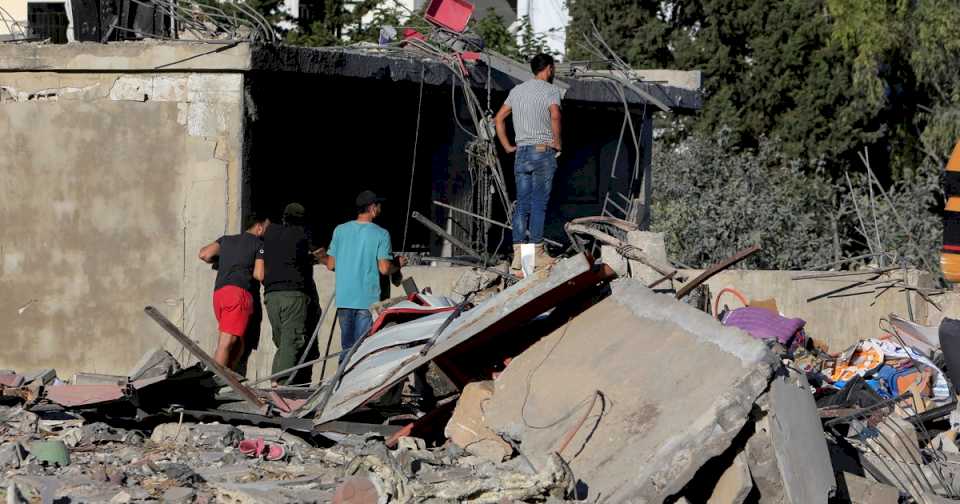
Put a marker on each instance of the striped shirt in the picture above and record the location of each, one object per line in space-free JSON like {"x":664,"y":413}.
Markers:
{"x":530,"y":104}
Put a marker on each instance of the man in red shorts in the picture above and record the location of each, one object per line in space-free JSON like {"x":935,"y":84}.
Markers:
{"x":238,"y":260}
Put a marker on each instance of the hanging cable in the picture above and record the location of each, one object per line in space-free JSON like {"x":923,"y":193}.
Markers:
{"x":413,"y":161}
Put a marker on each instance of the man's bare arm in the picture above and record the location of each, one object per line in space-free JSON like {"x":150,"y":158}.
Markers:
{"x":259,"y":270}
{"x":208,"y":252}
{"x":501,"y":122}
{"x":388,"y":267}
{"x":555,"y":125}
{"x":331,"y":263}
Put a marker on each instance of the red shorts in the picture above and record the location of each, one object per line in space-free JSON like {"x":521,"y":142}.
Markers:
{"x":233,"y":307}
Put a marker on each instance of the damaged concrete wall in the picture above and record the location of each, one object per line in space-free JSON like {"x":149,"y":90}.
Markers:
{"x":112,"y":181}
{"x":840,"y":322}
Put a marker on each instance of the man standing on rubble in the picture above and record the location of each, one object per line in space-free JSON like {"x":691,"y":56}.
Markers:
{"x":535,"y":106}
{"x":239,"y":263}
{"x":291,"y":295}
{"x":359,"y":253}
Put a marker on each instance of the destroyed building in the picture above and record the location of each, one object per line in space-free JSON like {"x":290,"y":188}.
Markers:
{"x":126,"y":158}
{"x":609,"y":376}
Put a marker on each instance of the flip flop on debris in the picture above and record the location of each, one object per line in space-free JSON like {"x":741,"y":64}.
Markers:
{"x":258,"y":448}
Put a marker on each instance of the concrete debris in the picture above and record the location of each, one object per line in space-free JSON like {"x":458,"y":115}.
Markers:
{"x":467,"y":428}
{"x":762,"y":462}
{"x":157,"y":362}
{"x":652,"y":442}
{"x":18,"y":420}
{"x":178,"y":495}
{"x":860,"y":490}
{"x":12,"y":455}
{"x":99,"y":432}
{"x":200,"y":435}
{"x":734,"y":485}
{"x":798,"y":442}
{"x":569,"y":385}
{"x":42,"y":377}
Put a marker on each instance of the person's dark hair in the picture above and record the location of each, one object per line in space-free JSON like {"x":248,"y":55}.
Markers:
{"x":252,"y":220}
{"x":363,"y":208}
{"x":539,"y":62}
{"x":293,"y":220}
{"x":294,"y":215}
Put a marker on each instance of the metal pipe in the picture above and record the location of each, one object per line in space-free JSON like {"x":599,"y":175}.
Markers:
{"x":452,"y":260}
{"x":432,"y":226}
{"x":313,"y":337}
{"x":294,"y":368}
{"x":488,"y":220}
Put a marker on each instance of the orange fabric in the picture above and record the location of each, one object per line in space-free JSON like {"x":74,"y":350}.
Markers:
{"x":909,"y":382}
{"x":864,"y":358}
{"x":950,"y":265}
{"x":954,"y":163}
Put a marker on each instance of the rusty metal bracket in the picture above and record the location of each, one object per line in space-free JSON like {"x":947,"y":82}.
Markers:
{"x":716,"y":268}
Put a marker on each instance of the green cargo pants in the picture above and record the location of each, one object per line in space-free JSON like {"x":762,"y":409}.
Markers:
{"x":290,"y":314}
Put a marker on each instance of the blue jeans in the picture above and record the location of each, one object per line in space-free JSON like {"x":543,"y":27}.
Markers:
{"x":534,"y":175}
{"x":354,"y":324}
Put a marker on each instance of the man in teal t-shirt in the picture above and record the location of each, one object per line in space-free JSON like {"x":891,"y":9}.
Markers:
{"x":359,"y":253}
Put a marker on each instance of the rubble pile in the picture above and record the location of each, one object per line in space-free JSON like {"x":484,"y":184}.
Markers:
{"x":573,"y":384}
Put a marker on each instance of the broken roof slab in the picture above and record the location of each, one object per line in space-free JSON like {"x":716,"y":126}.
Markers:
{"x":384,"y":364}
{"x":661,"y":388}
{"x":393,"y":65}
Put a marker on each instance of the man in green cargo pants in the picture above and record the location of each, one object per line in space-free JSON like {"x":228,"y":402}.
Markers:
{"x":290,"y":293}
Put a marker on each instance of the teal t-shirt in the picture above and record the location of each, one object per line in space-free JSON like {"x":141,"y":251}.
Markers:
{"x":357,"y":247}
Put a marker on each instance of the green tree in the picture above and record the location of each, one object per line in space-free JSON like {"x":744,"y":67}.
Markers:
{"x":750,"y":197}
{"x":917,"y":38}
{"x":339,"y":25}
{"x":492,"y":28}
{"x":637,"y":29}
{"x":770,"y":69}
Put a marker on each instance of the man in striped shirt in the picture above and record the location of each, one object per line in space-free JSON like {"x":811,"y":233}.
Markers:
{"x":535,"y":106}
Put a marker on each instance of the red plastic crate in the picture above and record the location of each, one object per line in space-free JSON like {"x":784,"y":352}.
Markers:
{"x":450,"y":14}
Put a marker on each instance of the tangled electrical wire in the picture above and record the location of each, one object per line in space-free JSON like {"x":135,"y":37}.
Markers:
{"x":487,"y":183}
{"x":206,"y":22}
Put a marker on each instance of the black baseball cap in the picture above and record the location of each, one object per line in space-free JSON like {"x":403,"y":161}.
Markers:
{"x":368,"y":198}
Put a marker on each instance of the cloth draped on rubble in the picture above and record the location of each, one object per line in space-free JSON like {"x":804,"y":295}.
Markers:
{"x":892,"y":368}
{"x":764,"y":324}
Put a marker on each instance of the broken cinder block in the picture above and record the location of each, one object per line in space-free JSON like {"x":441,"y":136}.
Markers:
{"x":860,"y":490}
{"x":467,"y":427}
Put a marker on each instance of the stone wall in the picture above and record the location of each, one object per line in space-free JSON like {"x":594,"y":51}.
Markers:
{"x":111,"y":183}
{"x":839,"y":321}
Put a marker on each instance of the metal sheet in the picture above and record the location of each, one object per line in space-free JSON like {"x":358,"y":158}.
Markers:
{"x":404,"y":334}
{"x":506,"y":310}
{"x":71,"y":396}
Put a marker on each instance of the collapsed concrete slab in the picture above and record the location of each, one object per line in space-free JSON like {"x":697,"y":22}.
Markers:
{"x":386,"y":357}
{"x":798,"y":442}
{"x":667,"y":388}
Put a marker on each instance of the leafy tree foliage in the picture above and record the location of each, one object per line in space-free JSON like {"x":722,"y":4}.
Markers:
{"x":712,"y":200}
{"x":705,"y":216}
{"x":805,"y":85}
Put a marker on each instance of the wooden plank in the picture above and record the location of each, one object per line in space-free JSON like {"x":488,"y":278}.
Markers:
{"x":228,"y":376}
